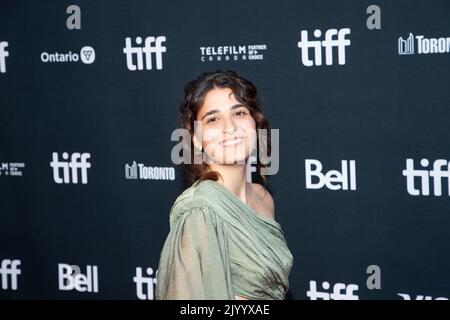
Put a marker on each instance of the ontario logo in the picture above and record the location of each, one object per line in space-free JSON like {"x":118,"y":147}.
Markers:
{"x":86,"y":56}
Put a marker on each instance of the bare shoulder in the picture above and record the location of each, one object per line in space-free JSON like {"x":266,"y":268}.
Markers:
{"x":263,"y":200}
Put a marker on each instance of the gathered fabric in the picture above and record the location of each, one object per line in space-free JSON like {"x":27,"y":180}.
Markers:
{"x":219,"y":247}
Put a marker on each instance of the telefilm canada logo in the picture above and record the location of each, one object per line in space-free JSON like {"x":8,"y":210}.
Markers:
{"x":246,"y":52}
{"x":13,"y":169}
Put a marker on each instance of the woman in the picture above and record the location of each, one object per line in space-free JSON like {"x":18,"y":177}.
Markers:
{"x":224,"y":242}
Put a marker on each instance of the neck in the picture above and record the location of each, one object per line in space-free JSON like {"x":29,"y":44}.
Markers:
{"x":234,"y":178}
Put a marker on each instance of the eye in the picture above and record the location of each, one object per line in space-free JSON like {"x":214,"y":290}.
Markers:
{"x":211,"y":120}
{"x":241,"y":113}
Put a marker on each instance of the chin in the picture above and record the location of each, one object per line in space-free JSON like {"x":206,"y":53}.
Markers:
{"x":238,"y":157}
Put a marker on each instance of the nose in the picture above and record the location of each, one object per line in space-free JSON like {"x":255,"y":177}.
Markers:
{"x":230,"y":126}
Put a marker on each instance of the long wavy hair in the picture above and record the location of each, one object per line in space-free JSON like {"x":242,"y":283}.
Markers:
{"x":194,"y":94}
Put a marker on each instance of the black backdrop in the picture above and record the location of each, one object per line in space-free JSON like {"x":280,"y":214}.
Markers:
{"x":382,"y":106}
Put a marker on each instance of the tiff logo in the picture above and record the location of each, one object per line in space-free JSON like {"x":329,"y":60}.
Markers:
{"x":145,"y":285}
{"x":340,"y":291}
{"x":406,"y":296}
{"x":9,"y":269}
{"x":440,"y":171}
{"x":152,"y":45}
{"x":78,"y":161}
{"x":329,"y":43}
{"x":3,"y":55}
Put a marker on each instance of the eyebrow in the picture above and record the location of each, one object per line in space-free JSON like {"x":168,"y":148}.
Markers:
{"x":217,"y":110}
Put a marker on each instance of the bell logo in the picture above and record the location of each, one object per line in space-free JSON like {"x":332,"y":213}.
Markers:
{"x":68,"y":279}
{"x":329,"y":43}
{"x":333,"y":179}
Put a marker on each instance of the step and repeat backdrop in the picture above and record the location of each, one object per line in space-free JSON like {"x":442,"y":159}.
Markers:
{"x":90,"y":94}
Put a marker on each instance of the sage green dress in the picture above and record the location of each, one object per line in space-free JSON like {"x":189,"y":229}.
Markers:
{"x":218,"y":246}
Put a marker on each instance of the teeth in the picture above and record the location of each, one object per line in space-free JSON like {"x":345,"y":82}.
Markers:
{"x":231,"y":142}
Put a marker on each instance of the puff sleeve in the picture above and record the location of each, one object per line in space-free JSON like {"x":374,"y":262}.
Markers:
{"x":194,"y":262}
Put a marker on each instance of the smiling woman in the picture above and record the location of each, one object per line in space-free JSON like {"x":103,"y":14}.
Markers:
{"x":228,"y":132}
{"x":224,"y":106}
{"x":224,"y":242}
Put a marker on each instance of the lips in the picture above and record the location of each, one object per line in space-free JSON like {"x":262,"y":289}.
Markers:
{"x":231,"y":141}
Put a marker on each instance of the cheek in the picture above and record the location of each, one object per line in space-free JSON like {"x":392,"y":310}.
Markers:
{"x":210,"y":135}
{"x":248,"y":123}
{"x":249,"y":126}
{"x":251,"y":133}
{"x":251,"y":138}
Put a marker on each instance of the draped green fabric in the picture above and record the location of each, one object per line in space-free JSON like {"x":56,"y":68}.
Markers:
{"x":218,"y":246}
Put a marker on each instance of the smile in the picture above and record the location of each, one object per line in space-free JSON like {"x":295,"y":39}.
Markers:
{"x":232,"y":141}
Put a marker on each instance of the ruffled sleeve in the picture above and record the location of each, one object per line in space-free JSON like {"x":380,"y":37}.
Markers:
{"x":194,"y":262}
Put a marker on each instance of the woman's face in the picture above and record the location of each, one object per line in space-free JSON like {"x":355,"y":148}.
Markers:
{"x":228,"y":130}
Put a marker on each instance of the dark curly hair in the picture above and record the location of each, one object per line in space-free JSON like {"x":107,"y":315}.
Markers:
{"x":194,"y":94}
